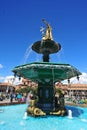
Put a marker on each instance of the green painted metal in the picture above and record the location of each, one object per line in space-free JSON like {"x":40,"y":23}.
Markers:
{"x":46,"y":71}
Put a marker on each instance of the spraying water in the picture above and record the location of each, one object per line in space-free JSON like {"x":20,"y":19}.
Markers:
{"x":70,"y":114}
{"x":25,"y":116}
{"x":59,"y":57}
{"x":27,"y":53}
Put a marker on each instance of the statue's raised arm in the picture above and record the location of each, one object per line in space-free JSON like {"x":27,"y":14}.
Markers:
{"x":48,"y":34}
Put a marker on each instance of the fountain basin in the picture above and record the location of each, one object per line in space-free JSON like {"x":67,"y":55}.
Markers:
{"x":46,"y":71}
{"x":49,"y":46}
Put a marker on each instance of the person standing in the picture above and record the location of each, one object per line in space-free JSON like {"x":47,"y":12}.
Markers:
{"x":11,"y":97}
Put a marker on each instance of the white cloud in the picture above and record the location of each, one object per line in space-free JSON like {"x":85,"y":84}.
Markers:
{"x":12,"y":80}
{"x":82,"y":79}
{"x":15,"y":81}
{"x":1,"y":78}
{"x":1,"y":66}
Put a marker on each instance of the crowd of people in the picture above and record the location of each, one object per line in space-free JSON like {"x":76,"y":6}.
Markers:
{"x":13,"y":97}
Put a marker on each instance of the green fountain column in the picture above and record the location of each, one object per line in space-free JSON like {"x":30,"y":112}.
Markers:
{"x":46,"y":97}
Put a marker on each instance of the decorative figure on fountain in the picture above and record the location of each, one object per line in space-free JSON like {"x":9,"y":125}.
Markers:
{"x":47,"y":45}
{"x":48,"y":34}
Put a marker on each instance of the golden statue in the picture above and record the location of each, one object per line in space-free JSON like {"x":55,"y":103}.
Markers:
{"x":48,"y":35}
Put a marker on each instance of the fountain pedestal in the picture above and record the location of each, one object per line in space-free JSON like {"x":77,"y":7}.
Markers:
{"x":46,"y":95}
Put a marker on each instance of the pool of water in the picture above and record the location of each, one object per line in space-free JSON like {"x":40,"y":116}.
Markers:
{"x":13,"y":118}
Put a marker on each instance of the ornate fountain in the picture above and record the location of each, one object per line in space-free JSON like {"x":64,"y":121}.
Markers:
{"x":46,"y":74}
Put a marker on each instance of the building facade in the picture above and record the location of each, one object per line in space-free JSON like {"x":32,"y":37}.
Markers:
{"x":77,"y":90}
{"x":6,"y":87}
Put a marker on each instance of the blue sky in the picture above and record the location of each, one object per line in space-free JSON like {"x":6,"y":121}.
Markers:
{"x":20,"y":22}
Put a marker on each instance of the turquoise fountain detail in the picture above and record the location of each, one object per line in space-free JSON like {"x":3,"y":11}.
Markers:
{"x":46,"y":74}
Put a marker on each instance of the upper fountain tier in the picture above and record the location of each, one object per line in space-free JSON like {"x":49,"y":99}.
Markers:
{"x":47,"y":45}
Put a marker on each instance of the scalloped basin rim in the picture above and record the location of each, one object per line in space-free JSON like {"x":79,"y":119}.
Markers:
{"x":43,"y":63}
{"x":42,"y":71}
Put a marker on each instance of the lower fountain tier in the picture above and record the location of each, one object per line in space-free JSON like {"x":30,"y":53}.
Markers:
{"x":46,"y":102}
{"x":46,"y":71}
